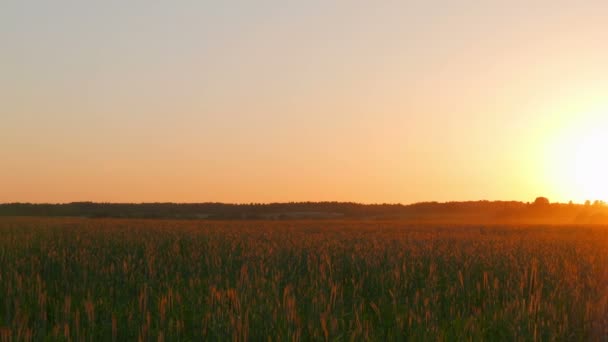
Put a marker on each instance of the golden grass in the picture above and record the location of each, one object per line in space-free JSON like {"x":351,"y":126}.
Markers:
{"x":90,"y":280}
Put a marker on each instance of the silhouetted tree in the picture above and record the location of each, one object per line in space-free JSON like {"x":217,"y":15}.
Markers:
{"x":540,"y":201}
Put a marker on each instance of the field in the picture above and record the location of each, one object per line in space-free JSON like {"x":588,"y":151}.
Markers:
{"x":110,"y":279}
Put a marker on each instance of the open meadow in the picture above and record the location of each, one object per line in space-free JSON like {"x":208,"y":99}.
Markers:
{"x":112,"y":279}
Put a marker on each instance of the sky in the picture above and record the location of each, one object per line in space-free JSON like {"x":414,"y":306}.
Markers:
{"x":274,"y":101}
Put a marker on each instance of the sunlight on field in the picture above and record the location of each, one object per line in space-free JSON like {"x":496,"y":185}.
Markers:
{"x":129,"y":280}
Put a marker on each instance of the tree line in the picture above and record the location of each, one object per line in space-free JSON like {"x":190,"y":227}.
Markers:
{"x":540,"y":210}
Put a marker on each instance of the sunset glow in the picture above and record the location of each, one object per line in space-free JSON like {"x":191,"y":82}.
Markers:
{"x":303,"y":170}
{"x":578,"y":157}
{"x":243,"y":102}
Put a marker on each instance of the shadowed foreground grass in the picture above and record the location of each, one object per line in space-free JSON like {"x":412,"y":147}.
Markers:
{"x":81,"y":279}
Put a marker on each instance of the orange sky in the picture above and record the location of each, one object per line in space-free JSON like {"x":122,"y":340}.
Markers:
{"x":348,"y":101}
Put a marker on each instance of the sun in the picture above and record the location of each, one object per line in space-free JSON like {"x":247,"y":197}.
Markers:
{"x":580,"y":158}
{"x":590,"y":164}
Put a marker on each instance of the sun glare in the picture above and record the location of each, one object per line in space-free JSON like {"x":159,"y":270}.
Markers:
{"x":591,"y":164}
{"x":580,"y":160}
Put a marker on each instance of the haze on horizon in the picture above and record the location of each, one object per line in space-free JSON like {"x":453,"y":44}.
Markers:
{"x":239,"y":101}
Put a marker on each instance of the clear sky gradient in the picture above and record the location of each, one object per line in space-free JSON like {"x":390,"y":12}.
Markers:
{"x":259,"y":101}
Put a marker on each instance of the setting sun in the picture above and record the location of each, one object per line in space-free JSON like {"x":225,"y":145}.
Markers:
{"x":579,"y":165}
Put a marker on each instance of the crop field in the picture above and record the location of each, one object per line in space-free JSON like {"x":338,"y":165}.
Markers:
{"x":154,"y":280}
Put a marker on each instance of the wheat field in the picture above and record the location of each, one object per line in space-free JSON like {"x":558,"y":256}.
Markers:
{"x":78,"y":279}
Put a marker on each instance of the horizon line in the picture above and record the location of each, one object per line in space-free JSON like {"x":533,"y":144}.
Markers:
{"x":292,"y":202}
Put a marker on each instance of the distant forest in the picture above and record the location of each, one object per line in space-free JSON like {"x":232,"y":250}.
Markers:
{"x":538,"y":211}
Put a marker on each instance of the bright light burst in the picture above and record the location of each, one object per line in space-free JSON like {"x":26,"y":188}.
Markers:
{"x":579,"y":157}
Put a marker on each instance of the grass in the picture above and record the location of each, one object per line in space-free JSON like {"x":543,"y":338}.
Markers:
{"x":92,"y":280}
